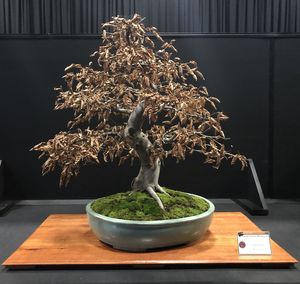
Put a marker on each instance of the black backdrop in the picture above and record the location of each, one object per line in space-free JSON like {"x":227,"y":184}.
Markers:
{"x":206,"y":16}
{"x":255,"y":77}
{"x":286,"y":149}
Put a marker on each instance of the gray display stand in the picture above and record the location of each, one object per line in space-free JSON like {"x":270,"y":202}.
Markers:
{"x":255,"y":202}
{"x":4,"y":204}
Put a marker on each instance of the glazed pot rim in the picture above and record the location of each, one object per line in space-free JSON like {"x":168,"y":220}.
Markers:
{"x":210,"y":210}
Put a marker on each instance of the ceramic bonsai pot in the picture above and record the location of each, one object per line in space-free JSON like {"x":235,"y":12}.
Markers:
{"x":144,"y":235}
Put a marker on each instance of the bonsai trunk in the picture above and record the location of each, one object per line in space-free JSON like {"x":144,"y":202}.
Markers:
{"x":147,"y":178}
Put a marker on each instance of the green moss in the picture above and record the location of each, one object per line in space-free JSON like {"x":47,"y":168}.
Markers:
{"x":141,"y":206}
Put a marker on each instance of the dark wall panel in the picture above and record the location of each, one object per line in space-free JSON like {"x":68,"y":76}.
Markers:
{"x":286,"y":153}
{"x":236,"y":69}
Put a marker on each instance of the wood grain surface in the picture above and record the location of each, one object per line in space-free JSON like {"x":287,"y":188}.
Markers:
{"x":66,"y":239}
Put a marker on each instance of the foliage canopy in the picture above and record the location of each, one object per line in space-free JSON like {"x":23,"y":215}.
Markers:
{"x":180,"y":118}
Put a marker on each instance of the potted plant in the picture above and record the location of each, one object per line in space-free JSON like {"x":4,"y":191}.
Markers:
{"x":145,"y":109}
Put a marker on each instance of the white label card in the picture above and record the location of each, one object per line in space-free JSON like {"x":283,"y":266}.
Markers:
{"x":250,"y":243}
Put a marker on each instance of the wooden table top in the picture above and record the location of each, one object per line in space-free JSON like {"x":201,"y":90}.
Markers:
{"x":66,"y":239}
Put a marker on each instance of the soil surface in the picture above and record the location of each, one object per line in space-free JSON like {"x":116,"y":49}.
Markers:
{"x":141,"y":206}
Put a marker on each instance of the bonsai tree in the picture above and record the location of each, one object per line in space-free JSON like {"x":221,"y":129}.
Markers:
{"x":136,"y":99}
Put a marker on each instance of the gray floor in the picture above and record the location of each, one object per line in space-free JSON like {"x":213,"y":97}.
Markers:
{"x":283,"y":222}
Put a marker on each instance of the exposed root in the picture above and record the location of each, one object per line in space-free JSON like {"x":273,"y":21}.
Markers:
{"x":160,"y":189}
{"x":155,"y":196}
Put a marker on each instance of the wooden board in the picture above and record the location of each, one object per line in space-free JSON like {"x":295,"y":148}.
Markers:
{"x":66,"y":239}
